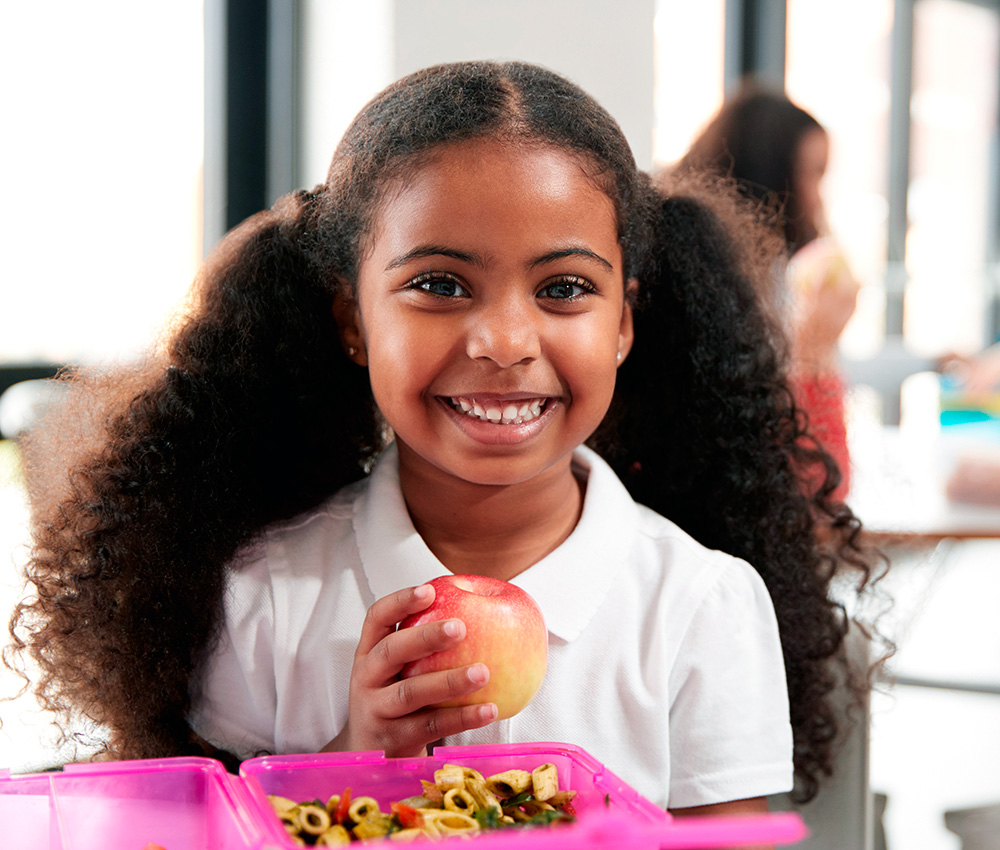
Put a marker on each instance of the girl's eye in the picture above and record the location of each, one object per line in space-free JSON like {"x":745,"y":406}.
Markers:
{"x":439,"y":284}
{"x":567,"y":289}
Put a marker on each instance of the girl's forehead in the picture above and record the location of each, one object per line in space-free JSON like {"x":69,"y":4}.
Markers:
{"x":491,"y":170}
{"x":501,"y":201}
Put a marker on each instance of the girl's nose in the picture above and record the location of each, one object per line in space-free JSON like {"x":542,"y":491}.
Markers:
{"x":505,"y":334}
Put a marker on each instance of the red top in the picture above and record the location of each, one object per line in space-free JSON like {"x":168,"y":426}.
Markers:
{"x":822,"y":398}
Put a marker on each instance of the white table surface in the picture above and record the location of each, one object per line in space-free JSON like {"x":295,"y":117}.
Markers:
{"x":899,"y":476}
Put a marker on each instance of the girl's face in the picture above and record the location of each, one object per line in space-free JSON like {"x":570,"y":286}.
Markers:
{"x":490,"y":311}
{"x":811,"y":156}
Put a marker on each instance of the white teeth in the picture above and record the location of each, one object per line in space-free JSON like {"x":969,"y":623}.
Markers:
{"x":509,"y":414}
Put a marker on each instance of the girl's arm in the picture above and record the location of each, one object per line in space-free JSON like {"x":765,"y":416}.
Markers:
{"x":397,"y":716}
{"x":752,"y":806}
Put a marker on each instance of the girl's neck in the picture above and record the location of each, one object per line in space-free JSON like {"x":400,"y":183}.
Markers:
{"x":490,"y":530}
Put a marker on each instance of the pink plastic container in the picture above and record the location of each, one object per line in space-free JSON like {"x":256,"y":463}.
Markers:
{"x":179,"y":803}
{"x":193,"y":804}
{"x":611,"y":814}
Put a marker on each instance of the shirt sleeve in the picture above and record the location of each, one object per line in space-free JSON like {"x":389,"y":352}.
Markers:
{"x":730,"y":735}
{"x":237,"y":706}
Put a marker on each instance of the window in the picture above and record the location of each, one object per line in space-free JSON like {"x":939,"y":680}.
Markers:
{"x":690,"y":60}
{"x":839,"y":67}
{"x":953,"y":127}
{"x":102,"y":179}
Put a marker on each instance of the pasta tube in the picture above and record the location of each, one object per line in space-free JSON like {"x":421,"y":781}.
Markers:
{"x":313,"y":819}
{"x":453,"y":823}
{"x":448,"y":777}
{"x":407,"y":835}
{"x":545,"y":781}
{"x":281,"y":804}
{"x":484,"y":799}
{"x":374,"y":826}
{"x":363,"y":808}
{"x":335,"y":836}
{"x":459,"y":800}
{"x":509,"y":783}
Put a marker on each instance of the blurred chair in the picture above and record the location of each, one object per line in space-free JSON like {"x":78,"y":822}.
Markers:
{"x":885,"y":373}
{"x":979,"y":828}
{"x":845,"y":814}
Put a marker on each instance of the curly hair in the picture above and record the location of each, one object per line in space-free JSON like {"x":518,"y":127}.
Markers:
{"x":251,"y":413}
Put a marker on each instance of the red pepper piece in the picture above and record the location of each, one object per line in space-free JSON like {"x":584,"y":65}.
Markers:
{"x":343,"y":806}
{"x":409,"y":817}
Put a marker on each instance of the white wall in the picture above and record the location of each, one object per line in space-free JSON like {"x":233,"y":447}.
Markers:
{"x":603,"y":46}
{"x":353,"y":49}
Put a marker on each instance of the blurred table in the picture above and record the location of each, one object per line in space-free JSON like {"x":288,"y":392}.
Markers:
{"x":899,"y":479}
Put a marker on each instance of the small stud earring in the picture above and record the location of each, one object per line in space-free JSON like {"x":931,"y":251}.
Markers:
{"x":351,"y":351}
{"x":619,"y":357}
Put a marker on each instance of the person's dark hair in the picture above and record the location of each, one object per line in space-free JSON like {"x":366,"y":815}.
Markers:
{"x":754,"y":138}
{"x":251,"y":413}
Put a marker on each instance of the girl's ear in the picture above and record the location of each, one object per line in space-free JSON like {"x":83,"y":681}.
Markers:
{"x":626,"y":331}
{"x":348,"y":318}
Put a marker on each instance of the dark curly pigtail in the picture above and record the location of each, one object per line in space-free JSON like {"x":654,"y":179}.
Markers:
{"x":707,"y":433}
{"x":244,"y":421}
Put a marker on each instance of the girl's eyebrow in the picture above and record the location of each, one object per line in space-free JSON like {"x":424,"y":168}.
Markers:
{"x":476,"y":259}
{"x":552,"y":256}
{"x":434,"y":251}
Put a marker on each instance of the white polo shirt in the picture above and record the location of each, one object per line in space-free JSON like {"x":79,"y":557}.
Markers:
{"x":664,"y":658}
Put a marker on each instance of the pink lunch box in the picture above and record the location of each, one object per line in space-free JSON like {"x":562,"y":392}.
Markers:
{"x":193,"y":804}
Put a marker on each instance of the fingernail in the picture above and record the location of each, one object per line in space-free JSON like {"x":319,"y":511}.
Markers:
{"x":479,"y":674}
{"x":488,"y":712}
{"x":454,"y":628}
{"x":423,"y":592}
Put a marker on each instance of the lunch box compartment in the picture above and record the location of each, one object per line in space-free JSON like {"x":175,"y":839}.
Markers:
{"x":179,"y":804}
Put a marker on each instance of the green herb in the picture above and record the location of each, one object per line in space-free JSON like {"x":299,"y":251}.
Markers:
{"x":546,"y":817}
{"x":489,"y":818}
{"x":519,"y":799}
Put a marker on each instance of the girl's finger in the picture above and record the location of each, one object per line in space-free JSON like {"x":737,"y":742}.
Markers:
{"x":412,"y":695}
{"x":437,"y":723}
{"x":388,"y":657}
{"x":386,"y":612}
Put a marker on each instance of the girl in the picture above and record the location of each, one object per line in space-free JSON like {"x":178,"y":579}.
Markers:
{"x":777,"y":154}
{"x":451,"y":356}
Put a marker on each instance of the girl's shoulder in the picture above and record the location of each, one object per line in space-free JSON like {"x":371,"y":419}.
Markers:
{"x":680,"y":564}
{"x":663,"y":533}
{"x":655,"y":548}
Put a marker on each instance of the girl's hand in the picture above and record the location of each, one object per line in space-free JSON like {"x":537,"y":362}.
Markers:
{"x":826,"y":294}
{"x":395,"y":715}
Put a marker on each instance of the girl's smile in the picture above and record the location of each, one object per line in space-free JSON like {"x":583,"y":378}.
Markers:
{"x":490,"y":311}
{"x":501,"y":420}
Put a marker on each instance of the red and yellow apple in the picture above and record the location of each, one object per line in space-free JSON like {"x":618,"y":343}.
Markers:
{"x":504,"y":630}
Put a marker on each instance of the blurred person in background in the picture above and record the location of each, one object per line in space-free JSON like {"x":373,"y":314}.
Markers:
{"x":777,"y":153}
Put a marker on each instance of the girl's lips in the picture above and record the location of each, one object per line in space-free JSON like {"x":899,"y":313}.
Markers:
{"x":500,"y":411}
{"x":500,"y":420}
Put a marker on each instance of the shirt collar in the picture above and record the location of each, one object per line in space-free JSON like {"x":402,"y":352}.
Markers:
{"x":569,"y":584}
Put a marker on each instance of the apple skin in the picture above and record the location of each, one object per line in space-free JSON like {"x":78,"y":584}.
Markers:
{"x":504,"y":630}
